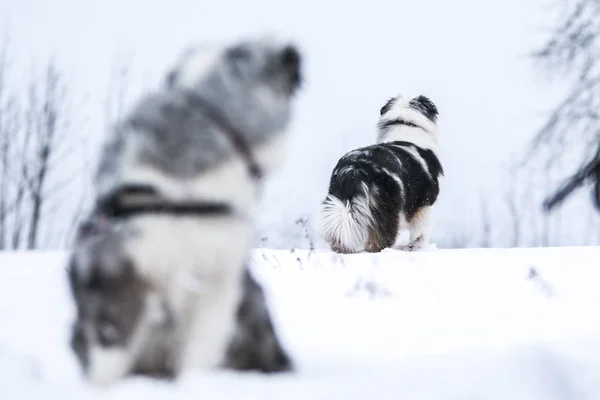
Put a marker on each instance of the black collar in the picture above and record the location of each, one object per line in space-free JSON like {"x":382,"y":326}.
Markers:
{"x":133,"y":199}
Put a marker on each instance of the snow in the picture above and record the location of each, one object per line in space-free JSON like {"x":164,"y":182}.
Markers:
{"x":439,"y":324}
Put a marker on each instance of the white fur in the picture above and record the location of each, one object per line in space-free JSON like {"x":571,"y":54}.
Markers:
{"x":396,"y":179}
{"x":419,"y":230}
{"x":344,"y":223}
{"x":195,"y":265}
{"x":196,"y":63}
{"x":108,"y":364}
{"x":229,"y":182}
{"x":425,"y":136}
{"x":415,"y":154}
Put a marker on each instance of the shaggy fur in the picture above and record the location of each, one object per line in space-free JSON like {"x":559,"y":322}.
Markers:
{"x":377,"y":191}
{"x":161,"y":292}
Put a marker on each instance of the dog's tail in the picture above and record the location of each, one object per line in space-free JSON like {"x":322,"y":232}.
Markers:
{"x":345,"y":217}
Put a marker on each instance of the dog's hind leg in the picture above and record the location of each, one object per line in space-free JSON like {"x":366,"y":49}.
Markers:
{"x":378,"y":241}
{"x":255,"y":345}
{"x":383,"y":232}
{"x":420,"y":227}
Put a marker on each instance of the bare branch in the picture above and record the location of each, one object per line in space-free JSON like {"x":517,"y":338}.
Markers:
{"x":591,"y":170}
{"x":514,"y":210}
{"x":572,"y":51}
{"x":486,"y":234}
{"x":4,"y":147}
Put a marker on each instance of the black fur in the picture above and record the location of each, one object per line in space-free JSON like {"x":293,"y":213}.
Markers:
{"x":378,"y":168}
{"x":255,"y":345}
{"x":387,"y":106}
{"x":425,"y":106}
{"x":396,"y":121}
{"x":420,"y":103}
{"x":291,"y":59}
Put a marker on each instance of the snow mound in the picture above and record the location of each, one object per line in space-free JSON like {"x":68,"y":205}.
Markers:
{"x":438,"y":324}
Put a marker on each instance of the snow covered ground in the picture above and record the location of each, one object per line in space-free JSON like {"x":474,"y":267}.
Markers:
{"x":444,"y":324}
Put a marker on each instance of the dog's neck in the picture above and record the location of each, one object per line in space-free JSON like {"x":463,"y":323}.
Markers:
{"x":131,"y":199}
{"x":235,"y":136}
{"x":416,"y":135}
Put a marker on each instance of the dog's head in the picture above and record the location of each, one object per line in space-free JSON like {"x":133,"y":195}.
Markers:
{"x":257,"y":77}
{"x":400,"y":117}
{"x":260,"y":62}
{"x":116,"y":310}
{"x":398,"y":106}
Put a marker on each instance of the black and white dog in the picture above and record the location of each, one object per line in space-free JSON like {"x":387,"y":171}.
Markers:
{"x":158,"y":272}
{"x":377,"y":191}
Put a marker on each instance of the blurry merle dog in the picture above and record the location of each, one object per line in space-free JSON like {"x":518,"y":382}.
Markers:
{"x":158,"y":270}
{"x":377,"y":191}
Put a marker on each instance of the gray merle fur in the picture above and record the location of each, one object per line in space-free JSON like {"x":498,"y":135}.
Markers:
{"x":169,"y":127}
{"x":109,"y":298}
{"x":255,"y":345}
{"x":169,"y":138}
{"x":109,"y":301}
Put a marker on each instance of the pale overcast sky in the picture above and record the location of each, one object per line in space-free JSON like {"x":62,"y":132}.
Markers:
{"x":466,"y":55}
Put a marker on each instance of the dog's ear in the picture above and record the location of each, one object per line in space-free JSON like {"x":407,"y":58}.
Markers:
{"x":425,"y":106}
{"x":386,"y":107}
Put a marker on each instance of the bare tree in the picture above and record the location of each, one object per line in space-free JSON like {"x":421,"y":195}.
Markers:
{"x":590,"y":171}
{"x":61,"y":134}
{"x":114,"y":107}
{"x":37,"y":149}
{"x":572,"y":52}
{"x":486,"y":224}
{"x":12,"y":189}
{"x":44,"y":114}
{"x":4,"y":146}
{"x":515,"y":208}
